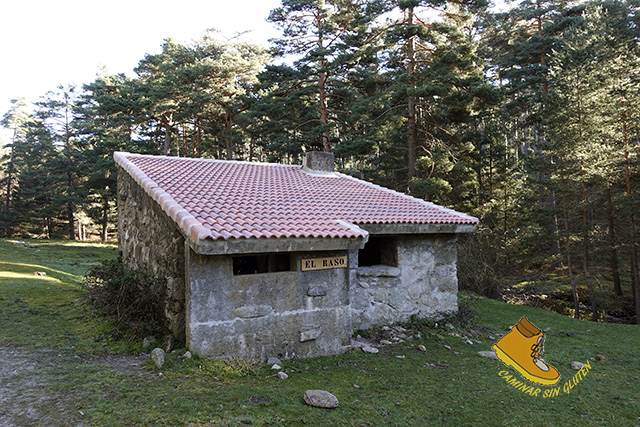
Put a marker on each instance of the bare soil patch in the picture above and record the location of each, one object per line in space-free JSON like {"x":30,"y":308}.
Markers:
{"x":27,"y":395}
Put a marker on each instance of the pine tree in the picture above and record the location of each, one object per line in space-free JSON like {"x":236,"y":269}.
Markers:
{"x":614,"y":26}
{"x":445,"y":91}
{"x":16,"y":120}
{"x":57,"y":113}
{"x":105,"y":120}
{"x":37,"y":206}
{"x":200,"y":87}
{"x":313,"y":32}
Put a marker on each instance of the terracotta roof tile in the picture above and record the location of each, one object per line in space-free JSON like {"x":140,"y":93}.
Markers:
{"x":219,"y":199}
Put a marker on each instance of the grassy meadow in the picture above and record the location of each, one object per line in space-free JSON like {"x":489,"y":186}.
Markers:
{"x":64,"y":365}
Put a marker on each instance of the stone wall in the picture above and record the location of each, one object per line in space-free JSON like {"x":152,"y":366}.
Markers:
{"x":256,"y":316}
{"x":424,"y":282}
{"x":151,"y":242}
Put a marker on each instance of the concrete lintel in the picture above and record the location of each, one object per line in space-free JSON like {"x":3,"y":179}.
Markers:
{"x":263,"y":245}
{"x":406,"y":228}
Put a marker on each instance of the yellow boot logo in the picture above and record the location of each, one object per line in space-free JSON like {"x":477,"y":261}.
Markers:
{"x":522,"y":349}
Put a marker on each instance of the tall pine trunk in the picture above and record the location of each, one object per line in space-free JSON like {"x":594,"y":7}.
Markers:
{"x":613,"y":254}
{"x":633,"y":254}
{"x":70,"y":189}
{"x":323,"y":107}
{"x":168,"y":130}
{"x":572,"y":279}
{"x":252,"y":145}
{"x":585,"y":216}
{"x":543,"y":58}
{"x":105,"y":219}
{"x":70,"y":205}
{"x":48,"y":226}
{"x":412,"y":125}
{"x":228,"y":121}
{"x":585,"y":245}
{"x":9,"y":177}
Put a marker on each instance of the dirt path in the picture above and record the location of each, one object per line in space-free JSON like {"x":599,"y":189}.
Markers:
{"x":27,"y":395}
{"x":22,"y":390}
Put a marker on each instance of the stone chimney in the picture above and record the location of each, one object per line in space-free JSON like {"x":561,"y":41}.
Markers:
{"x":318,"y":161}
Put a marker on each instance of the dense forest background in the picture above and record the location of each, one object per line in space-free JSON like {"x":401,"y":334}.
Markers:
{"x":527,"y":119}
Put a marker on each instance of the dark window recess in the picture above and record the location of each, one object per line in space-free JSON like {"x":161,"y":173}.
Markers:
{"x":256,"y":264}
{"x":379,"y":251}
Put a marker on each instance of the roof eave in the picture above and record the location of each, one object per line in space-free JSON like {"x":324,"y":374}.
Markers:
{"x":269,"y":245}
{"x":410,"y":228}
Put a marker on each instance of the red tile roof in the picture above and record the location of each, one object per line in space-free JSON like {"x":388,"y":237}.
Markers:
{"x":220,"y":199}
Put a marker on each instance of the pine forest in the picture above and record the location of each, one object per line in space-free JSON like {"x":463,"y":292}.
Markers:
{"x":528,"y":119}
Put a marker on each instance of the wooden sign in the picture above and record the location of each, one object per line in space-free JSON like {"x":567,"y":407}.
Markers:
{"x":323,"y":263}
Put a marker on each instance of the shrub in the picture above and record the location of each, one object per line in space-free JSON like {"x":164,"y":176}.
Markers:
{"x":479,"y":255}
{"x":134,"y":300}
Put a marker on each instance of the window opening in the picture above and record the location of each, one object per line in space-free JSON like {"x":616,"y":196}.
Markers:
{"x":258,"y":264}
{"x":378,"y":251}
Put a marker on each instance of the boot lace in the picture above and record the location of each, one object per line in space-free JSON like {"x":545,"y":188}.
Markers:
{"x":537,"y":349}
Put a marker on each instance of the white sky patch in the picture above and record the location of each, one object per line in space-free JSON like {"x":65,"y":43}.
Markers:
{"x":47,"y":43}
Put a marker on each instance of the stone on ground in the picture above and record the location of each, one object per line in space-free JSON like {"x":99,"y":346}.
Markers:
{"x":369,"y":349}
{"x":577,"y":365}
{"x":320,"y":399}
{"x":489,"y":354}
{"x":157,"y":354}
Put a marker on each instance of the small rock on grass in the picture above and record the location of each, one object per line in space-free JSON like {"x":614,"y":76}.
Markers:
{"x":157,"y":354}
{"x":489,"y":354}
{"x":577,"y":365}
{"x":276,"y":367}
{"x":320,"y":399}
{"x":369,"y":349}
{"x":600,"y":358}
{"x":422,"y":348}
{"x":282,"y":375}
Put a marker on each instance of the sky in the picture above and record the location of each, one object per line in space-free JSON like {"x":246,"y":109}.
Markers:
{"x":47,"y":43}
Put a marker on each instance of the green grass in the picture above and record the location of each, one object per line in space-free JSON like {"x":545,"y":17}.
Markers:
{"x":82,"y":368}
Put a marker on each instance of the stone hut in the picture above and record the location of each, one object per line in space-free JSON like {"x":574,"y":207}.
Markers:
{"x":277,"y":260}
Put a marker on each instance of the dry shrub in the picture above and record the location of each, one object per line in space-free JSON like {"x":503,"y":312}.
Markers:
{"x":132,"y":298}
{"x":479,"y":255}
